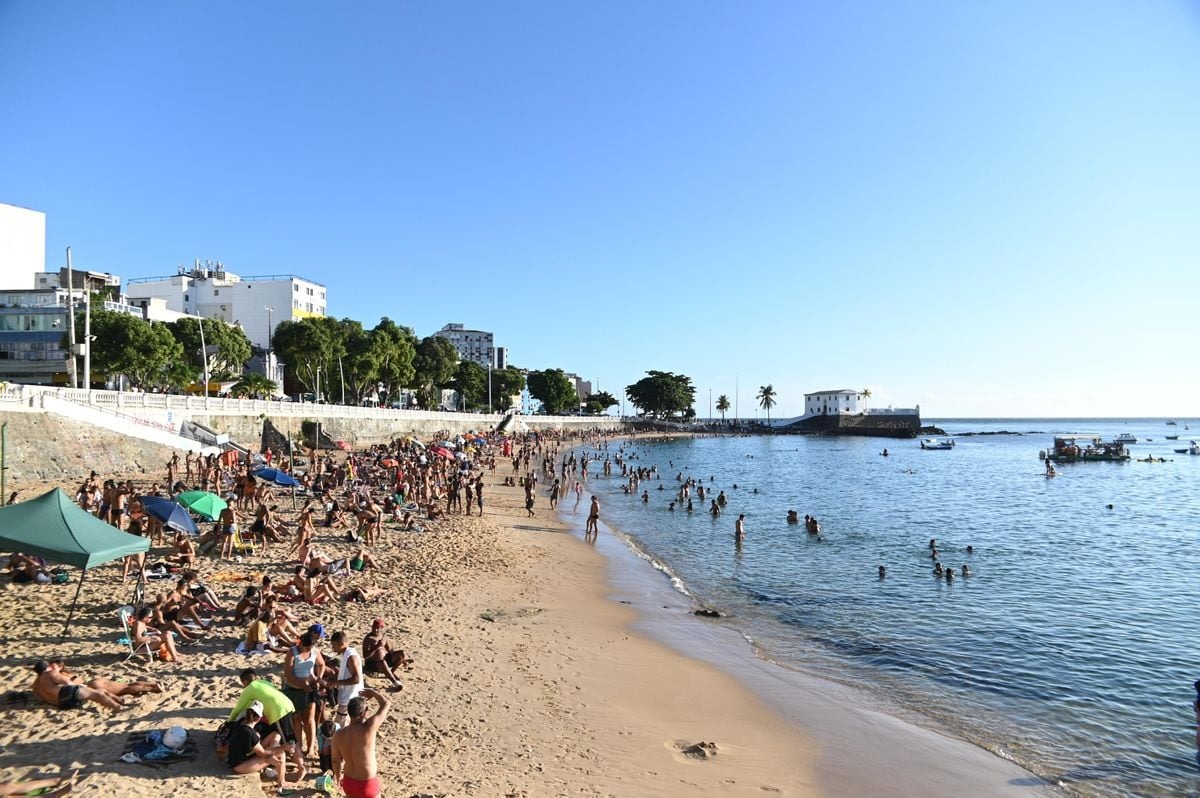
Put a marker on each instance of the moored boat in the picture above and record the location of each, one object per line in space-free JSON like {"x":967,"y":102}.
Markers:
{"x":1193,"y":449}
{"x":934,"y":444}
{"x":1085,"y":449}
{"x":1125,"y":437}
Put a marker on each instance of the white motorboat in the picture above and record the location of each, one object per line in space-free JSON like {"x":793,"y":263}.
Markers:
{"x":1125,"y":437}
{"x":935,"y":444}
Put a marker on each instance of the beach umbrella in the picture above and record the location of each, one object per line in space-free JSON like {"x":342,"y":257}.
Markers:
{"x":276,"y":476}
{"x":170,"y":513}
{"x":446,"y":444}
{"x":202,"y":503}
{"x":388,"y":463}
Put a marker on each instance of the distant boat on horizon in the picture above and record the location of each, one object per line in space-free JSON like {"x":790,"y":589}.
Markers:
{"x":1171,"y":424}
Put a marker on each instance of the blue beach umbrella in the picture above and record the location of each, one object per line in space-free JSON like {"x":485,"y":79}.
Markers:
{"x":170,"y":513}
{"x":276,"y":476}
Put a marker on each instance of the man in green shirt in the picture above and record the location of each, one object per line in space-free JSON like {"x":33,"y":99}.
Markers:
{"x":277,"y":707}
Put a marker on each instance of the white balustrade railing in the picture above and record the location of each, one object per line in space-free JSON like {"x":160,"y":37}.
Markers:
{"x":32,"y":395}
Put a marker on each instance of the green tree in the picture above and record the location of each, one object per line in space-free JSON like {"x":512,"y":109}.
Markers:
{"x":396,"y":348}
{"x":766,"y":400}
{"x":129,"y":345}
{"x":254,"y":386}
{"x":227,"y":346}
{"x":662,"y":394}
{"x":470,"y":380}
{"x":359,"y":368}
{"x":552,"y":388}
{"x":309,"y":347}
{"x":598,"y":402}
{"x":506,"y":383}
{"x":722,"y":406}
{"x":434,"y":367}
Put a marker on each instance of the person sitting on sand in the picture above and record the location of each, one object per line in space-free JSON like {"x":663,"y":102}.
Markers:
{"x":260,"y":638}
{"x":249,"y":752}
{"x":55,"y":685}
{"x":25,"y":569}
{"x":166,"y":617}
{"x":185,"y":550}
{"x":379,"y":656}
{"x":318,"y":587}
{"x":248,"y":606}
{"x":141,"y":633}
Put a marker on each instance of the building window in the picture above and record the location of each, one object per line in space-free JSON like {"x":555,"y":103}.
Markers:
{"x":295,"y":287}
{"x":216,"y":292}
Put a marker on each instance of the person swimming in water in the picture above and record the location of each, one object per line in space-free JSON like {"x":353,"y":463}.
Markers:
{"x":792,"y":517}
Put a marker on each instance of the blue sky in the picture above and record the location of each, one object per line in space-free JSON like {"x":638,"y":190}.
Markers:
{"x":986,"y":208}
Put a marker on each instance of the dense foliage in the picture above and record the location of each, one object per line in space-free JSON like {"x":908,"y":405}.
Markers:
{"x":662,"y":394}
{"x":552,"y":388}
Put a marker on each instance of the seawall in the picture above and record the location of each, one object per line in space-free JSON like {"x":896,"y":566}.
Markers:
{"x":871,"y":425}
{"x":45,"y":442}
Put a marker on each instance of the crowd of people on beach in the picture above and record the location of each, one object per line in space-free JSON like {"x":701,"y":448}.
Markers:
{"x":319,"y":714}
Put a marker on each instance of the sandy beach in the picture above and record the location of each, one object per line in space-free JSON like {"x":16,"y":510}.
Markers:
{"x":527,"y":681}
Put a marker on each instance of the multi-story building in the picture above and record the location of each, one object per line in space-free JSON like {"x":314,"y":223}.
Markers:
{"x":22,"y":246}
{"x":257,"y":303}
{"x":33,"y":331}
{"x":474,"y":345}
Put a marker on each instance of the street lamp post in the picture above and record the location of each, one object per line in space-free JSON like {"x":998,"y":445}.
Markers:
{"x":204,"y":358}
{"x":270,"y":365}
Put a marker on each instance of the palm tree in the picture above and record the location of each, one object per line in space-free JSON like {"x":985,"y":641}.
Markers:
{"x":766,"y":400}
{"x":722,"y":406}
{"x":864,"y":394}
{"x":254,"y":385}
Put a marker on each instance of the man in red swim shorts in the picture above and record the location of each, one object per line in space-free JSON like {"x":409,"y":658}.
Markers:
{"x":354,"y":747}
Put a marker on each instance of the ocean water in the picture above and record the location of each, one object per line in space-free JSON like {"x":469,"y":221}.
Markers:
{"x":1071,"y":649}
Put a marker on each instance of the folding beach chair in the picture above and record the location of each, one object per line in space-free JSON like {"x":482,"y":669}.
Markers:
{"x":240,"y":544}
{"x":125,"y":614}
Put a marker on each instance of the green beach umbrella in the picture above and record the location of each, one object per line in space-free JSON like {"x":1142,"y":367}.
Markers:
{"x":201,"y":502}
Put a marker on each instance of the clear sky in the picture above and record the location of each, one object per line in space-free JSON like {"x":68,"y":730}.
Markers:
{"x":986,"y":208}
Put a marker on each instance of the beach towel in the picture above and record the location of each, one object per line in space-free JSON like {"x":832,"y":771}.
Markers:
{"x":242,"y":648}
{"x":148,"y":749}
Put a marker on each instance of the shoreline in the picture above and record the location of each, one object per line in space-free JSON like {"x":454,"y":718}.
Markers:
{"x":860,"y":748}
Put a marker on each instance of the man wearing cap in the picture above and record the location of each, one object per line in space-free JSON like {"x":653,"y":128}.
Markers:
{"x":278,"y":708}
{"x":250,"y":753}
{"x":378,"y":656}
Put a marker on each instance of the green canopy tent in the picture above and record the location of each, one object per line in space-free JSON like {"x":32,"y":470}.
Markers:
{"x":56,"y":528}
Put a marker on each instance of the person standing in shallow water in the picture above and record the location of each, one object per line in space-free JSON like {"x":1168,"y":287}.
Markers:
{"x":592,"y":530}
{"x":739,"y":529}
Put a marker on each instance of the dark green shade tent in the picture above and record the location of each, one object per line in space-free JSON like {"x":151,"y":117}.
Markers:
{"x":56,"y":528}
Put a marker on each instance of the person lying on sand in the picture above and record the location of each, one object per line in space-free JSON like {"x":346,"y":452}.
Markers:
{"x":379,"y":656}
{"x":363,"y":594}
{"x":42,"y":785}
{"x":55,"y":685}
{"x":25,"y":569}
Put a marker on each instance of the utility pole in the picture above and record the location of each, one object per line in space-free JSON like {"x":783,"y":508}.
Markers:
{"x":737,"y":395}
{"x":491,"y":361}
{"x":269,"y":366}
{"x":87,"y":339}
{"x":72,"y":365}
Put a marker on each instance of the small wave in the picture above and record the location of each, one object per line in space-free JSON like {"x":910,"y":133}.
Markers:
{"x":636,"y":547}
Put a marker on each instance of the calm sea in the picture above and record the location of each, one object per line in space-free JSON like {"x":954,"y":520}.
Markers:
{"x":1071,"y":648}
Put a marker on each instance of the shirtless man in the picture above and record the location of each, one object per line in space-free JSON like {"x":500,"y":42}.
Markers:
{"x":379,"y":656}
{"x":59,"y":688}
{"x":353,"y":752}
{"x":593,"y":522}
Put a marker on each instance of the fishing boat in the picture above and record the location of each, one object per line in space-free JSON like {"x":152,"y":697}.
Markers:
{"x":1171,"y":424}
{"x":1084,"y":449}
{"x":1125,"y":437}
{"x":1193,"y":449}
{"x":934,"y":444}
{"x":1171,"y":437}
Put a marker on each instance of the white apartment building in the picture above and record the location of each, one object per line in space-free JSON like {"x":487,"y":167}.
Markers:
{"x":22,"y":246}
{"x":257,"y":303}
{"x":475,"y":345}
